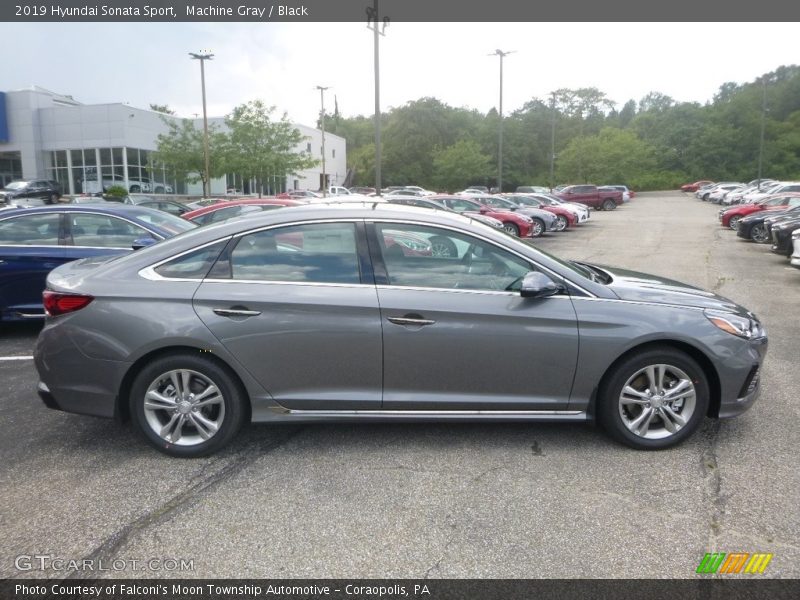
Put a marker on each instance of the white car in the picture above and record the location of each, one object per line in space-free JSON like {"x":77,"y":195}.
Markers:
{"x":781,"y":188}
{"x":338,"y":190}
{"x":419,"y":190}
{"x":796,"y":249}
{"x":719,"y":194}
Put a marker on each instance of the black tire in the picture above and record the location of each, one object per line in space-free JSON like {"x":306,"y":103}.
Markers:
{"x":511,"y":228}
{"x":611,"y":415}
{"x":51,"y":199}
{"x":705,"y":197}
{"x":759,"y":233}
{"x":442,"y":246}
{"x":232,"y":404}
{"x":135,"y":189}
{"x":609,"y":204}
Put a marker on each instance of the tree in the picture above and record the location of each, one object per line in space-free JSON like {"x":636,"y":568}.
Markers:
{"x":458,"y":165}
{"x":181,"y":150}
{"x":162,"y":108}
{"x":258,"y":147}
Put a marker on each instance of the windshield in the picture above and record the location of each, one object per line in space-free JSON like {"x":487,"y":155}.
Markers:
{"x":166,"y":221}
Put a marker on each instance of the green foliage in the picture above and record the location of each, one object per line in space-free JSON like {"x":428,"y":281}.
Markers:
{"x":611,"y":156}
{"x":162,"y":108}
{"x":458,"y":165}
{"x":258,"y":147}
{"x":181,"y":150}
{"x":116,"y":191}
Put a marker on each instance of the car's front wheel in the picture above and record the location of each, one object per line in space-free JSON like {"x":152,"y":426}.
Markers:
{"x":187,"y":405}
{"x":759,"y":233}
{"x":561,"y":223}
{"x":511,"y":228}
{"x":653,"y":399}
{"x":733,"y":223}
{"x":609,"y":204}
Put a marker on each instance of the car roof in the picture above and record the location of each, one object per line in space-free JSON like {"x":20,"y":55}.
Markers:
{"x":242,"y":202}
{"x":110,"y":208}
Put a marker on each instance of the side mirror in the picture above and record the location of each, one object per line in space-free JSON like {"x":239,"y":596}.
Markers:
{"x":484,"y":210}
{"x":140,"y":243}
{"x":538,"y":285}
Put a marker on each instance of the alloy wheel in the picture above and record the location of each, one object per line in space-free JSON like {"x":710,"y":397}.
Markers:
{"x":657,"y":401}
{"x":184,"y":407}
{"x":759,"y":233}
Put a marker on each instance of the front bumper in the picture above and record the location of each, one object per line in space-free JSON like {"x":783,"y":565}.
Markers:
{"x":741,"y":375}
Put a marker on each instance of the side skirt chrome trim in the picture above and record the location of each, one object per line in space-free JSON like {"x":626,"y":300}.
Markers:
{"x":433,"y":414}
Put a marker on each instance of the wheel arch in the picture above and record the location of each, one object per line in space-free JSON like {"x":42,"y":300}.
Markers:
{"x":714,"y":386}
{"x":122,"y":408}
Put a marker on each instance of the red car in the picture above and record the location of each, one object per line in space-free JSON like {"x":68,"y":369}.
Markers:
{"x":233,"y":208}
{"x":693,"y":187}
{"x":731,"y":216}
{"x":566,"y":218}
{"x":513,"y":223}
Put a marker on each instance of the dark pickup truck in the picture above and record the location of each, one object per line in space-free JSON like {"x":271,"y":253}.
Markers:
{"x":591,"y":196}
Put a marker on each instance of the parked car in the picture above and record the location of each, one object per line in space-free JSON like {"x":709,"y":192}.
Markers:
{"x":781,"y":234}
{"x":795,"y":258}
{"x":591,"y":196}
{"x":721,"y":191}
{"x":627,"y":194}
{"x":581,"y":211}
{"x":309,"y":314}
{"x":26,"y":189}
{"x":170,"y":206}
{"x":366,"y":191}
{"x":338,"y":190}
{"x":693,"y":187}
{"x":205,"y":202}
{"x":419,"y":190}
{"x":754,"y":226}
{"x":705,"y":192}
{"x":516,"y":224}
{"x":33,"y":241}
{"x":564,"y":217}
{"x":783,"y":187}
{"x":730,"y":217}
{"x":215,"y":213}
{"x":432,"y":204}
{"x":532,"y":189}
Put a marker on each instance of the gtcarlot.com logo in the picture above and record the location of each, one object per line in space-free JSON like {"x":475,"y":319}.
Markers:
{"x":734,"y":562}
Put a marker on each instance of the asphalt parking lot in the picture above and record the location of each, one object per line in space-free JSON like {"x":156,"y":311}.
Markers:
{"x":432,"y":500}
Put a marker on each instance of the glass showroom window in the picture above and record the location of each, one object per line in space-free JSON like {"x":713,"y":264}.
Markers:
{"x":59,"y":171}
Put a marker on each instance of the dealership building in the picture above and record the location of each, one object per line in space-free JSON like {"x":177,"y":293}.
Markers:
{"x":88,"y":147}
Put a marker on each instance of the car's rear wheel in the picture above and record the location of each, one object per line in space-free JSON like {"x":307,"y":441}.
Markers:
{"x":733,"y":223}
{"x":187,"y":405}
{"x":609,"y":204}
{"x":511,"y":228}
{"x":561,"y":223}
{"x":52,"y":199}
{"x":759,"y":233}
{"x":441,"y":246}
{"x":653,"y":399}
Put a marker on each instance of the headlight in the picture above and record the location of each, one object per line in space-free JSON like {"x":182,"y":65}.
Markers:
{"x":743,"y":327}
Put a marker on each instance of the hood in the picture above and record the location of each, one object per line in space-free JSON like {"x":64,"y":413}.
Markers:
{"x":644,"y":287}
{"x":537,"y":212}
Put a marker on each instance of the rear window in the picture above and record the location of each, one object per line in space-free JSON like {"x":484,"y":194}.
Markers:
{"x":193,"y":265}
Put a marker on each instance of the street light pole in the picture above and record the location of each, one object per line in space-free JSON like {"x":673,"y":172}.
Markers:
{"x":553,"y":144}
{"x":763,"y":124}
{"x":324,"y":185}
{"x":502,"y":55}
{"x":373,"y":18}
{"x":203,"y":58}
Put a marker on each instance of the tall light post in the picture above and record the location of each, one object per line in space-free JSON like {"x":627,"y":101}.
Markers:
{"x":553,"y":143}
{"x":502,"y":55}
{"x":373,"y":17}
{"x":763,"y":125}
{"x":203,"y":58}
{"x":324,"y":185}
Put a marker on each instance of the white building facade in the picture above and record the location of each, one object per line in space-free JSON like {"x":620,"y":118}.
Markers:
{"x":88,"y":147}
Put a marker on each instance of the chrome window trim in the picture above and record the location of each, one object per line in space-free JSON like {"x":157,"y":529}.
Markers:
{"x":271,"y":282}
{"x":462,"y":291}
{"x":488,"y":241}
{"x":150,"y":271}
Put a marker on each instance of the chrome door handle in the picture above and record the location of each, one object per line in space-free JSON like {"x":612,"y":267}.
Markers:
{"x":410,"y":321}
{"x":236,"y":312}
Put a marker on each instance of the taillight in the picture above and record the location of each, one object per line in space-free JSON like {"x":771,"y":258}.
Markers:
{"x":56,"y":303}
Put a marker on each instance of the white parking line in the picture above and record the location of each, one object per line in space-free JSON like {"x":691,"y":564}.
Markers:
{"x":16,"y":357}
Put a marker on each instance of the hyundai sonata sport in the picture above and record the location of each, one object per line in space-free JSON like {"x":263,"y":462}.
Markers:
{"x":343,"y":312}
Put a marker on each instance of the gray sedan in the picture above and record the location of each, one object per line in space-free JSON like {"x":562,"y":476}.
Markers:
{"x":345,"y":312}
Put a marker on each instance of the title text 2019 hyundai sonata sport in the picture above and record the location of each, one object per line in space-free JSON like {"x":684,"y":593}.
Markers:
{"x":343,"y":312}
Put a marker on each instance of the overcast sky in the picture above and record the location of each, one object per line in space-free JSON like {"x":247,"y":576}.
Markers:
{"x":143,"y":63}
